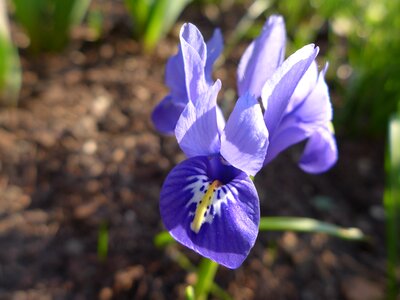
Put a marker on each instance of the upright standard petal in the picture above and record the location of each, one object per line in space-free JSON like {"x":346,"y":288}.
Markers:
{"x":244,"y":140}
{"x":214,"y":48}
{"x":175,"y":79}
{"x":165,"y":115}
{"x":320,"y":153}
{"x":183,"y":82}
{"x":262,"y":57}
{"x":197,"y":129}
{"x":194,"y":53}
{"x":278,"y":90}
{"x":217,"y":219}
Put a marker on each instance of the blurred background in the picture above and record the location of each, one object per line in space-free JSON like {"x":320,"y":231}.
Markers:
{"x":81,"y":165}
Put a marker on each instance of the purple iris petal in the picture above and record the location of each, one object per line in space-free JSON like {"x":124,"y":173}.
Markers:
{"x":192,"y":65}
{"x":316,"y":106}
{"x":214,"y":49}
{"x":187,"y":74}
{"x":320,"y":153}
{"x":230,"y":222}
{"x":244,"y":141}
{"x":165,"y":114}
{"x":175,"y":79}
{"x":192,"y":37}
{"x":305,"y":115}
{"x":278,"y":90}
{"x":262,"y":57}
{"x":197,"y":129}
{"x":194,"y":53}
{"x":304,"y":87}
{"x":287,"y":135}
{"x":220,"y":119}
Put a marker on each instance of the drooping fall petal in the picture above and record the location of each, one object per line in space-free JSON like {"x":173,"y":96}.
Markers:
{"x":229,"y":225}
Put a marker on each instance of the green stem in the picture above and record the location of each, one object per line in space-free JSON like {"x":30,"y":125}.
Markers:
{"x":205,"y":278}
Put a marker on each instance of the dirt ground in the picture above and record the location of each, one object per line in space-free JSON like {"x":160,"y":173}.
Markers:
{"x":80,"y":153}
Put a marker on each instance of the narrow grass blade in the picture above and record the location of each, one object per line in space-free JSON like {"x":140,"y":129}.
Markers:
{"x":163,"y":16}
{"x":95,"y":21}
{"x":255,"y":10}
{"x":102,"y":242}
{"x":153,"y":18}
{"x":10,"y":69}
{"x":392,"y":205}
{"x":189,"y":293}
{"x":139,"y":11}
{"x":309,"y":225}
{"x":78,"y":12}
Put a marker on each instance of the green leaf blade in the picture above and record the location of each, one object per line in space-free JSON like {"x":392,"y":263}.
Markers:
{"x":309,"y":225}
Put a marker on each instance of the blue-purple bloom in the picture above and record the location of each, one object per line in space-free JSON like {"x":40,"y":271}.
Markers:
{"x":297,"y":104}
{"x":208,"y":202}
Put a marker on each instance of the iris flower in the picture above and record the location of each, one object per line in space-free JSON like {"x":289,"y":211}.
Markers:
{"x":208,"y":202}
{"x":296,"y":107}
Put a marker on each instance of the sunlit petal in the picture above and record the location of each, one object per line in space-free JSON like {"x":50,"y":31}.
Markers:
{"x":197,"y":130}
{"x":194,"y":53}
{"x":278,"y":90}
{"x":320,"y":153}
{"x":244,"y":141}
{"x":230,"y":223}
{"x":262,"y":57}
{"x":214,"y":48}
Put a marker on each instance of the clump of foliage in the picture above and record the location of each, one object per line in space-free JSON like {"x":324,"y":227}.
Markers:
{"x":48,"y":22}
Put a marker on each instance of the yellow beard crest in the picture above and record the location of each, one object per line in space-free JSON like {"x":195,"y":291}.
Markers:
{"x":203,"y":206}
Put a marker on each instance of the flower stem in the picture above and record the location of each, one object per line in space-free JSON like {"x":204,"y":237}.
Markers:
{"x":205,"y":278}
